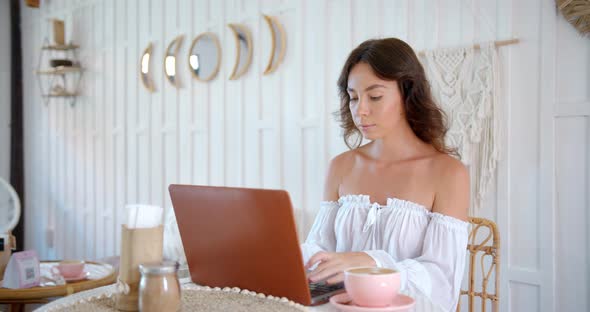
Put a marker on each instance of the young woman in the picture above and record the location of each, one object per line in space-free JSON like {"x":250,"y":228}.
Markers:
{"x":401,"y":200}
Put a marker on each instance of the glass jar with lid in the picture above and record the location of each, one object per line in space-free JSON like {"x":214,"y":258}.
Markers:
{"x":159,"y":288}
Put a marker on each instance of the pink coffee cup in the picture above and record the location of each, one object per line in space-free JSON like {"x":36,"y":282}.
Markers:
{"x":69,"y":268}
{"x":371,"y":286}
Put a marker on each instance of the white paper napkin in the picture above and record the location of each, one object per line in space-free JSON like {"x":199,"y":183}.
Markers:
{"x":143,"y":216}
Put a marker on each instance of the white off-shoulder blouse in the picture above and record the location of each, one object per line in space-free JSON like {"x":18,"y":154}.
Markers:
{"x":429,"y":249}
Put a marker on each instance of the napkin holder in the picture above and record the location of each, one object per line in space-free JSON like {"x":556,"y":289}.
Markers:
{"x":138,"y":245}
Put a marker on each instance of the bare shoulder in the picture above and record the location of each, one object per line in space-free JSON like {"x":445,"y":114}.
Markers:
{"x":451,"y":178}
{"x":337,"y":168}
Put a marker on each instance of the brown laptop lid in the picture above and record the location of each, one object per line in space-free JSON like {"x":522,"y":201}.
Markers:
{"x":236,"y":237}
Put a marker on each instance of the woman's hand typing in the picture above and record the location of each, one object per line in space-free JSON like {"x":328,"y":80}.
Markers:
{"x":331,"y":265}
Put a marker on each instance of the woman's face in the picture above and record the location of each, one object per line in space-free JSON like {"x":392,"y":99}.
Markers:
{"x":376,"y":105}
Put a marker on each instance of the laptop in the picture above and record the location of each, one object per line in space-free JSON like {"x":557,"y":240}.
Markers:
{"x":245,"y":238}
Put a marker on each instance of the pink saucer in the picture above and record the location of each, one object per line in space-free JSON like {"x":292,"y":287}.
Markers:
{"x":84,"y":275}
{"x":344,"y":303}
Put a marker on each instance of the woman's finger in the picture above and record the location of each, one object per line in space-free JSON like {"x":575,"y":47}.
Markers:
{"x":328,"y":271}
{"x":336,"y":278}
{"x":320,"y":268}
{"x":318,"y":256}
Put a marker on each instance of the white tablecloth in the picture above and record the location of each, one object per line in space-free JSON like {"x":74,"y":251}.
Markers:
{"x":422,"y":303}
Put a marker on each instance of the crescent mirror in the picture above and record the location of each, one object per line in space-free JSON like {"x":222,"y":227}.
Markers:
{"x":243,"y":41}
{"x":170,"y":61}
{"x":144,"y":71}
{"x":278,"y":44}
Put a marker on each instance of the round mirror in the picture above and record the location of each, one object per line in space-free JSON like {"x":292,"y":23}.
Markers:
{"x":170,"y":61}
{"x":278,"y":43}
{"x":9,"y":207}
{"x":205,"y":56}
{"x":243,"y":50}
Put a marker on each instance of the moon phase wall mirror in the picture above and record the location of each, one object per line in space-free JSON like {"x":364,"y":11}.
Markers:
{"x":145,"y":72}
{"x":205,"y":56}
{"x":243,"y":41}
{"x":170,"y":61}
{"x":278,"y":44}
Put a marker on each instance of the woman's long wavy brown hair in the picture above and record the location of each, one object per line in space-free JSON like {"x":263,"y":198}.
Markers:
{"x":393,"y":59}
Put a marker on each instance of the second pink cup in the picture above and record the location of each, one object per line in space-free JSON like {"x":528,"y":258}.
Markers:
{"x":371,"y":286}
{"x":69,"y":268}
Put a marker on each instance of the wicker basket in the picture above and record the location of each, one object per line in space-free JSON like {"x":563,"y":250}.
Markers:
{"x":6,"y":253}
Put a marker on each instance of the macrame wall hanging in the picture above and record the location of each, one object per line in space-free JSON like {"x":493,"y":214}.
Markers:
{"x":577,"y":13}
{"x":466,"y":83}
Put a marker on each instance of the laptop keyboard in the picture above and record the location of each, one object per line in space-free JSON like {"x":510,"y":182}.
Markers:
{"x":318,"y":289}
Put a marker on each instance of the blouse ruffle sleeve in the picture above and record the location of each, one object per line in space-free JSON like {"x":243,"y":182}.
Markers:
{"x":322,"y":236}
{"x":438,"y":271}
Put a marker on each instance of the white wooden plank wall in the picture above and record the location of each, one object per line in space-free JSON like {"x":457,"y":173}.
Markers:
{"x":570,"y":116}
{"x":121,"y":144}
